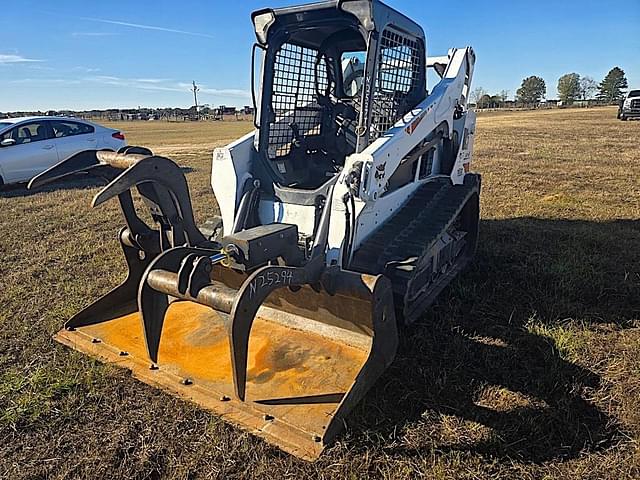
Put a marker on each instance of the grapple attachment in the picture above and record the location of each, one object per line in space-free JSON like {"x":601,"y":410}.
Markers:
{"x":249,"y":327}
{"x":309,"y":359}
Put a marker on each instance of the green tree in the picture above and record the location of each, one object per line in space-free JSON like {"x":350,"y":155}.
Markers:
{"x":532,"y":90}
{"x":569,"y":88}
{"x":611,"y":89}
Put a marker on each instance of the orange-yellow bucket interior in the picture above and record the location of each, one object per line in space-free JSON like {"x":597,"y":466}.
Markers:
{"x":297,"y":376}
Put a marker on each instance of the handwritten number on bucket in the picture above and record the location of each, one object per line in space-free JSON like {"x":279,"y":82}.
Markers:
{"x":270,"y":279}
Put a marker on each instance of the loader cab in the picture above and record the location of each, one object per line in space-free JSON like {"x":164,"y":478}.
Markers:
{"x":335,"y":76}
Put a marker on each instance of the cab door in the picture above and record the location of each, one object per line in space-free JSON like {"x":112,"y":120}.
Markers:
{"x":31,"y":152}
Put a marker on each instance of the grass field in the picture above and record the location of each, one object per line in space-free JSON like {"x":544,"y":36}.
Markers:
{"x":527,"y":367}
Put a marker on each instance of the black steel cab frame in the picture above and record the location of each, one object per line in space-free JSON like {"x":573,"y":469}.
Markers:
{"x":309,"y":116}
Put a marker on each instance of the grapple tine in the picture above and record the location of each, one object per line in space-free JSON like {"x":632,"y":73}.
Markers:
{"x":80,"y":162}
{"x":251,"y":296}
{"x":170,"y":191}
{"x":101,"y":163}
{"x":153,"y":304}
{"x":239,"y":344}
{"x":150,"y":169}
{"x":153,"y":307}
{"x":122,"y":299}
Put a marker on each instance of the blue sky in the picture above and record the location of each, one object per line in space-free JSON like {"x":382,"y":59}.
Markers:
{"x":98,"y":54}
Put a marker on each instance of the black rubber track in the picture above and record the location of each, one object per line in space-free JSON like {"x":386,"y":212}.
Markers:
{"x":410,"y":234}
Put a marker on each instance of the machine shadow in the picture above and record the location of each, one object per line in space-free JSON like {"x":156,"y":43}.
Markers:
{"x":483,"y":353}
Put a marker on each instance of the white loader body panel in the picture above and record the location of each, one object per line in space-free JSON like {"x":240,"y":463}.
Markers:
{"x":374,"y":204}
{"x":229,"y":172}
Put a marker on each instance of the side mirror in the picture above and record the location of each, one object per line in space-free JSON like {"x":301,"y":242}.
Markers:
{"x":7,"y":142}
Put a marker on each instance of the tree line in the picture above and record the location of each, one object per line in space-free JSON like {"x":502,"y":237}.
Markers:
{"x":571,"y":88}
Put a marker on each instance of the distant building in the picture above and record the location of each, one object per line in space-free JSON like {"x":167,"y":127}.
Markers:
{"x":224,"y":110}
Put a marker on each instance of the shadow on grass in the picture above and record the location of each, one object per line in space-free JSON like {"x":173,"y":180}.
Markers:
{"x":74,"y":182}
{"x":499,"y":348}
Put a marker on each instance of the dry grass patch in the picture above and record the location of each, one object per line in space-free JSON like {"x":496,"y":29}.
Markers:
{"x":528,"y":367}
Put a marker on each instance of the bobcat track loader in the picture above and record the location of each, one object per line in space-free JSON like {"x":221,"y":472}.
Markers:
{"x":347,"y":210}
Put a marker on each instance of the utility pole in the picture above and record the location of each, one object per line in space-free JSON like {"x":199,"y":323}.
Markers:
{"x":195,"y":91}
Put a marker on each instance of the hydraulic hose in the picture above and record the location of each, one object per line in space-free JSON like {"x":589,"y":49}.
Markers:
{"x":352,"y":180}
{"x":346,"y":254}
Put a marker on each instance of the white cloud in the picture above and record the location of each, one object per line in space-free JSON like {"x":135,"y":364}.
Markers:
{"x":45,"y":81}
{"x":165,"y":85}
{"x":94,"y":34}
{"x":86,"y":69}
{"x":151,"y":80}
{"x":10,"y":59}
{"x":227,"y":92}
{"x":147,"y":27}
{"x":81,"y":90}
{"x":39,"y":66}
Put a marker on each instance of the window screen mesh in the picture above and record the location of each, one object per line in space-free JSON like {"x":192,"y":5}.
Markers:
{"x":397,"y":78}
{"x":294,"y":98}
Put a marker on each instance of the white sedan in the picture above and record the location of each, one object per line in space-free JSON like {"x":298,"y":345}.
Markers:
{"x":30,"y":145}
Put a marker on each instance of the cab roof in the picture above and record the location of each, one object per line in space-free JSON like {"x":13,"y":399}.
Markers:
{"x":369,"y":15}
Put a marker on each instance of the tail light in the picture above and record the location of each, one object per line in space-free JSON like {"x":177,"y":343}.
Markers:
{"x":118,"y":136}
